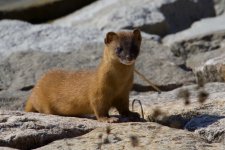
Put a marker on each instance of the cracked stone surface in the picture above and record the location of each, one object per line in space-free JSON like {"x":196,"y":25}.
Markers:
{"x":136,"y":136}
{"x":30,"y":130}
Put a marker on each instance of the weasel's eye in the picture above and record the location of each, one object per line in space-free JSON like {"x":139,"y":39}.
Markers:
{"x":119,"y":50}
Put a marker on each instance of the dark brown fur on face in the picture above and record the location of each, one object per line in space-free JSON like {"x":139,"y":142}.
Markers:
{"x":92,"y":92}
{"x":126,"y":45}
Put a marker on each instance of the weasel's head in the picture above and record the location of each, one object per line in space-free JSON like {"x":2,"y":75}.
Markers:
{"x":123,"y":46}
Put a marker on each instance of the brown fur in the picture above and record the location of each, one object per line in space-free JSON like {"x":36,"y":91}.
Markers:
{"x":89,"y":92}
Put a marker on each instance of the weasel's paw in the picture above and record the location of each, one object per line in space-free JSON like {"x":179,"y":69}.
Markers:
{"x":133,"y":116}
{"x":109,"y":119}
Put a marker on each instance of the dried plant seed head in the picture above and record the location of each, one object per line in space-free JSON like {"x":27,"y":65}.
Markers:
{"x":200,"y":81}
{"x":108,"y":130}
{"x":186,"y":102}
{"x":185,"y":95}
{"x":202,"y":96}
{"x":106,"y":140}
{"x":100,"y":136}
{"x":157,"y":112}
{"x":134,"y":141}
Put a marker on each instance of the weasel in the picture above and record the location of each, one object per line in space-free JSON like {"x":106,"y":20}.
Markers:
{"x":78,"y":93}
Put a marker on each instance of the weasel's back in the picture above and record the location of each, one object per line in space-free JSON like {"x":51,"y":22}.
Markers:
{"x":60,"y":92}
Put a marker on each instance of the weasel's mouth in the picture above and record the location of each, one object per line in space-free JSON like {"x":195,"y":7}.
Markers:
{"x":127,"y":62}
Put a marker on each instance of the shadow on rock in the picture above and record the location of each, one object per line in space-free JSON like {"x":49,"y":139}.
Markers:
{"x":188,"y":121}
{"x":202,"y":121}
{"x":146,"y":88}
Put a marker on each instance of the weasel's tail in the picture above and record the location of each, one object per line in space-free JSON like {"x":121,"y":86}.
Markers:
{"x":29,"y":106}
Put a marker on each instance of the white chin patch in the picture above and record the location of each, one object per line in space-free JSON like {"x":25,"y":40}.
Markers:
{"x":127,"y":62}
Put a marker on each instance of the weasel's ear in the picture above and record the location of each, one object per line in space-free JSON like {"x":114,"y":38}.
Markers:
{"x":110,"y":36}
{"x":137,"y":34}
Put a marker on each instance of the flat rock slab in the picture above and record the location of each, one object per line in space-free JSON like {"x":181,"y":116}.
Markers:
{"x":30,"y":130}
{"x":152,"y":16}
{"x":135,"y":136}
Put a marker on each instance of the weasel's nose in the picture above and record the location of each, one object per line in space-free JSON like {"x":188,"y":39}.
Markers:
{"x":129,"y":58}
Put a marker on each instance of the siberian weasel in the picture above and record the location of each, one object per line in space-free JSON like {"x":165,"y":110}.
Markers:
{"x":78,"y":93}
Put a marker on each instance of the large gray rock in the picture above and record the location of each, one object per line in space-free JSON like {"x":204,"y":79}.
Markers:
{"x":213,"y":70}
{"x":205,"y":35}
{"x":152,"y":16}
{"x":37,"y":11}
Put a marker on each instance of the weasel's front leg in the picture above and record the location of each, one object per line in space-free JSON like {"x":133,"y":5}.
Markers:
{"x":101,"y":110}
{"x":132,"y":116}
{"x":122,"y":106}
